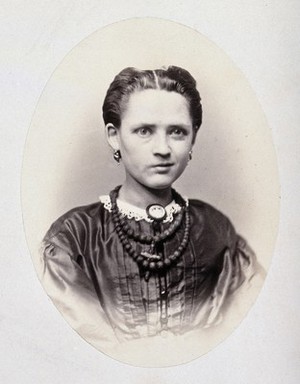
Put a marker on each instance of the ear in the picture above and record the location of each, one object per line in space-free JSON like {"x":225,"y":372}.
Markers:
{"x":195,"y":131}
{"x":112,"y":136}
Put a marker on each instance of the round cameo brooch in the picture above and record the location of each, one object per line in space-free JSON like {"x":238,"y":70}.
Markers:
{"x":156,"y":212}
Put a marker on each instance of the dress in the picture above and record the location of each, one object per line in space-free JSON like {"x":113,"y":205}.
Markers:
{"x":102,"y":293}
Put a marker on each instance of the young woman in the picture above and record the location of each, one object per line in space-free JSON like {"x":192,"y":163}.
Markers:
{"x":144,"y":261}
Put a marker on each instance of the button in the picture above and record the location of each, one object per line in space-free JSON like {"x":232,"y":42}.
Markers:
{"x":164,"y":333}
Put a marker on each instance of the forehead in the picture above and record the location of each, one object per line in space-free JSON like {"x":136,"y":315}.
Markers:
{"x":156,"y":105}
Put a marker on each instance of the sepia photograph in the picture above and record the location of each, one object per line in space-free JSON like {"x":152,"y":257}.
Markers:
{"x":149,"y":177}
{"x":150,"y":192}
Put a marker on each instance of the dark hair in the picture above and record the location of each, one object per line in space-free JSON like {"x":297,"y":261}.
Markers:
{"x":172,"y":78}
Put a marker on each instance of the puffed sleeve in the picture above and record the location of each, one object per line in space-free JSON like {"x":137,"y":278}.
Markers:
{"x":71,"y":290}
{"x":240,"y":279}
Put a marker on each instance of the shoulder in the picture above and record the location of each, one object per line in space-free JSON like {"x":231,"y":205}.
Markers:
{"x":76,"y":220}
{"x":211,"y":224}
{"x":209,"y":212}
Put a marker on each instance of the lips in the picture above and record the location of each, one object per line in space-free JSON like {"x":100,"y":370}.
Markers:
{"x":163,"y":165}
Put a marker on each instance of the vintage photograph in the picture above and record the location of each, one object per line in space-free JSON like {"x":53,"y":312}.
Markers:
{"x":149,"y":264}
{"x":150,"y":260}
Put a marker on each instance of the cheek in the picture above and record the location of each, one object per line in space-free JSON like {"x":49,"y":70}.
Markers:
{"x":183,"y":159}
{"x":127,"y":147}
{"x":182,"y":151}
{"x":134,"y":154}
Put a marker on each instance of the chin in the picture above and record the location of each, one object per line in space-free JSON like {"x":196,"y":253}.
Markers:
{"x":160,"y":187}
{"x":160,"y":184}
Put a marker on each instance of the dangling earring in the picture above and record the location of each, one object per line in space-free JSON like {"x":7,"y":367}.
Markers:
{"x":117,"y":156}
{"x":190,"y":155}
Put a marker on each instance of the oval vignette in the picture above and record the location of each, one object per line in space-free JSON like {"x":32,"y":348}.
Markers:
{"x":67,"y":162}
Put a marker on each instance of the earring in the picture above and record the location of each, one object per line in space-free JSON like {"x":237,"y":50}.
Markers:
{"x":190,"y":155}
{"x":117,"y":156}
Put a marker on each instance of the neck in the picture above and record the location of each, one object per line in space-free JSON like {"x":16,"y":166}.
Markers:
{"x":142,"y":196}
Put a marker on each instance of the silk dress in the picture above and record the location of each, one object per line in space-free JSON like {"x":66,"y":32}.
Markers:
{"x":102,"y":292}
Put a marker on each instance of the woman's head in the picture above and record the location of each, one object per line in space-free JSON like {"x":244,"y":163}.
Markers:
{"x":130,"y":80}
{"x":152,"y":118}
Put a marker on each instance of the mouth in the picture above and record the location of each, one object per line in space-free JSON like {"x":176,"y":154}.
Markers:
{"x":162,"y":167}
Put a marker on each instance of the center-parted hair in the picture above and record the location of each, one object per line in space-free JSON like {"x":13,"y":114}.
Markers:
{"x":172,"y":79}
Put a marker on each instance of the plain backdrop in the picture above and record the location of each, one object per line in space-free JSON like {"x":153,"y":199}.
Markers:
{"x":262,"y":39}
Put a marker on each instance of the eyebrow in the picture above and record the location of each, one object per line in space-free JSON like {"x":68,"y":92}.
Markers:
{"x":143,"y":125}
{"x":185,"y":126}
{"x":146,"y":125}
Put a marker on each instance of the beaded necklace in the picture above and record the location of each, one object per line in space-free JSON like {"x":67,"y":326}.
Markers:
{"x":150,"y":262}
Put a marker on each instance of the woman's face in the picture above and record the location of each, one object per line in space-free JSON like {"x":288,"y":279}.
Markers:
{"x":155,"y":137}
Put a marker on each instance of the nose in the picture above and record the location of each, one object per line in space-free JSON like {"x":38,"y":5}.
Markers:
{"x":161,"y":146}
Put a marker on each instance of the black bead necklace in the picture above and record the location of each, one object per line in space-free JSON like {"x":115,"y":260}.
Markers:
{"x":149,"y":261}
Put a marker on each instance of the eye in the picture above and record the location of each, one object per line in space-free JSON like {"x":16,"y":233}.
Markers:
{"x":143,"y":131}
{"x":178,"y":132}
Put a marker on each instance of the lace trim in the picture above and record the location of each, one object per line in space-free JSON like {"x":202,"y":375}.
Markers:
{"x":138,"y":214}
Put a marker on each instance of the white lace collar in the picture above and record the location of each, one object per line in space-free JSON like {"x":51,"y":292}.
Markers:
{"x":136,"y":213}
